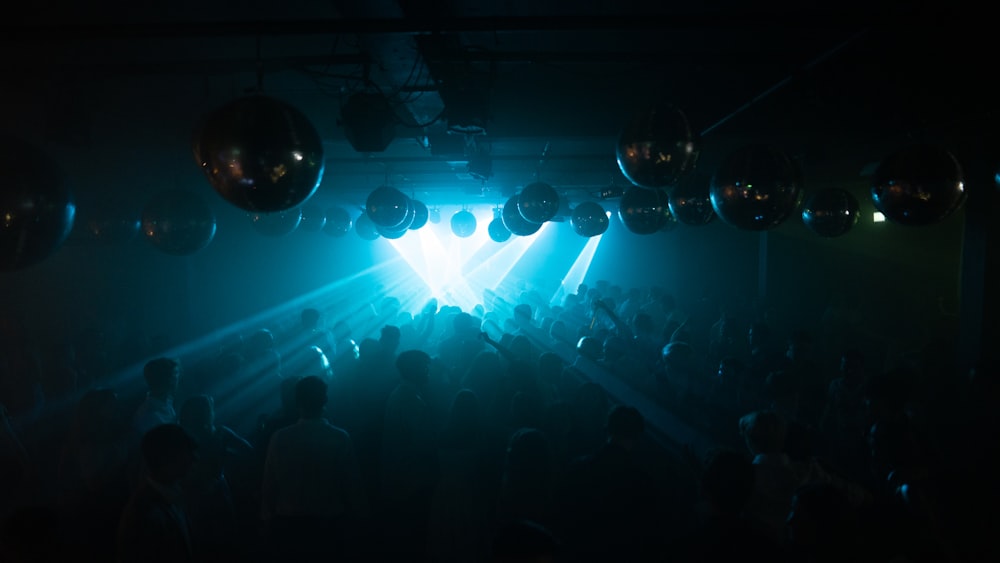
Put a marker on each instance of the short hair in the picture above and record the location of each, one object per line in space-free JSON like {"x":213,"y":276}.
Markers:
{"x":413,"y":364}
{"x":163,"y":444}
{"x":390,"y":332}
{"x":159,"y":371}
{"x":625,"y":422}
{"x":310,"y":395}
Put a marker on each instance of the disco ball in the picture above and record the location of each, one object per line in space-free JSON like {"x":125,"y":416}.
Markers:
{"x":178,"y":222}
{"x":538,"y":202}
{"x":756,"y":188}
{"x":387,"y":206}
{"x":260,"y":154}
{"x":313,"y":217}
{"x":918,"y":185}
{"x":37,"y":209}
{"x":831,"y":212}
{"x":644,"y":211}
{"x":498,"y":232}
{"x":276,"y":224}
{"x":338,"y":222}
{"x":690,"y":202}
{"x":656,"y":148}
{"x":515,"y":223}
{"x":365,"y":228}
{"x":463,"y":223}
{"x":589,"y":219}
{"x":420,"y":214}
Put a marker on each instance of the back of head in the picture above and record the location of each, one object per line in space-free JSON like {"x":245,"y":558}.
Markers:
{"x":413,"y":365}
{"x":764,"y":432}
{"x":161,"y":373}
{"x":310,"y":396}
{"x":390,"y":336}
{"x":462,"y":323}
{"x":522,"y":313}
{"x":589,"y":348}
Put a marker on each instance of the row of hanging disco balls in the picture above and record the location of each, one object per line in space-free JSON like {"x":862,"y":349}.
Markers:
{"x":758,"y":187}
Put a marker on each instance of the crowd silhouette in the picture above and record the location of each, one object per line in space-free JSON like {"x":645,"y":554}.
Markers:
{"x":517,"y":430}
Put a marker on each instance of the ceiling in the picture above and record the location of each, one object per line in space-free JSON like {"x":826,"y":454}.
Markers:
{"x":118,"y":91}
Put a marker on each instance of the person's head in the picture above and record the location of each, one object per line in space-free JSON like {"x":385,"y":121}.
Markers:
{"x":522,"y":314}
{"x":310,"y":318}
{"x":389,"y":338}
{"x":310,"y":396}
{"x":625,"y":425}
{"x":168,"y":451}
{"x":463,"y":323}
{"x":414,"y":366}
{"x":590,"y":348}
{"x":764,"y":432}
{"x":197,"y":415}
{"x":261,"y":339}
{"x":162,"y":376}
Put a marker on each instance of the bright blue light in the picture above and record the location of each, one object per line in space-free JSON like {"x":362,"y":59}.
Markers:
{"x":578,"y":271}
{"x":441,"y":260}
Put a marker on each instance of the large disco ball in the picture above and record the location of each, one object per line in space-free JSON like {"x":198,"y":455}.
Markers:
{"x":178,"y":222}
{"x":918,"y":185}
{"x":313,"y":217}
{"x":463,"y":223}
{"x":260,"y":154}
{"x":498,"y":232}
{"x":365,"y":228}
{"x":689,"y":201}
{"x":37,"y":209}
{"x":656,"y":148}
{"x":277,"y":224}
{"x":387,"y":206}
{"x":589,"y":219}
{"x":420,"y":214}
{"x":831,"y":212}
{"x":515,"y":223}
{"x":338,"y":222}
{"x":538,"y":202}
{"x":756,"y":188}
{"x":644,"y":211}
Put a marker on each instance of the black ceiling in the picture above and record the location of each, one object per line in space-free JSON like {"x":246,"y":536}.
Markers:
{"x":118,"y":91}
